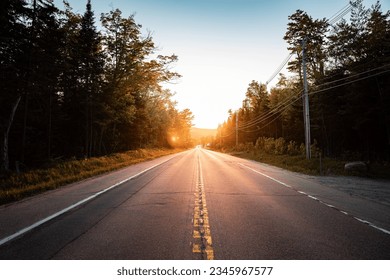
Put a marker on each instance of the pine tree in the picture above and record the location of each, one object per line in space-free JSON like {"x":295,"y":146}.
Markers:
{"x":303,"y":27}
{"x":30,"y":77}
{"x":82,"y":82}
{"x":90,"y":73}
{"x":12,"y":36}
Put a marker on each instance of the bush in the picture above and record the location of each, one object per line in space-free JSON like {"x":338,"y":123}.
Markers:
{"x":260,"y":143}
{"x":280,"y":146}
{"x":269,"y":145}
{"x":293,"y":149}
{"x":273,"y":146}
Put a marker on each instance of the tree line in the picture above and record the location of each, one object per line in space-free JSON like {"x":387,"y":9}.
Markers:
{"x":348,"y":70}
{"x":71,"y":89}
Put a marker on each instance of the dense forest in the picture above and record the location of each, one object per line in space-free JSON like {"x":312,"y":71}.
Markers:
{"x":348,"y":77}
{"x":72,"y":89}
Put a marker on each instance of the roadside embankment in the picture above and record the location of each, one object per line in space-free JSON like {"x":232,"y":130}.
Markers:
{"x":17,"y":186}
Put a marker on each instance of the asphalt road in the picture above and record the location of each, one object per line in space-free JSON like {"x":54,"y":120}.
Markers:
{"x":193,"y":205}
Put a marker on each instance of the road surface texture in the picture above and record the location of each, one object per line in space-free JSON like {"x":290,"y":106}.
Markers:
{"x":196,"y":205}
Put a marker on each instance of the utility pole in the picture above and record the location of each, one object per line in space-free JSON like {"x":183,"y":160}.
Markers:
{"x":306,"y":103}
{"x":236,"y":128}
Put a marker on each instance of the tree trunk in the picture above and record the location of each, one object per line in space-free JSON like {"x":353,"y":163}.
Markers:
{"x":4,"y":164}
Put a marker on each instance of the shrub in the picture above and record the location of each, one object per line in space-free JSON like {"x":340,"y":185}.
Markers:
{"x":269,"y":145}
{"x":293,"y":149}
{"x":259,"y":143}
{"x":280,"y":146}
{"x":302,"y":149}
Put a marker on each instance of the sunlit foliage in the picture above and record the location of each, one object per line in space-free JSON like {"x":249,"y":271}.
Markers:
{"x":72,"y":89}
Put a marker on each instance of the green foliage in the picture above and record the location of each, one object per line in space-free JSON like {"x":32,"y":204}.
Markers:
{"x":280,"y":146}
{"x":303,"y":27}
{"x":69,"y":90}
{"x":348,"y":65}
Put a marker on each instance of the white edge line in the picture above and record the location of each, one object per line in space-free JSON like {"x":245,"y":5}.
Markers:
{"x":313,"y":197}
{"x":265,"y":175}
{"x":61,"y":212}
{"x":362,"y":221}
{"x":379,"y":228}
{"x":372,"y":225}
{"x":329,"y":205}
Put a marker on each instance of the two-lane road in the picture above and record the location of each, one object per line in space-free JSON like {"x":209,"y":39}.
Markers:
{"x":193,"y":205}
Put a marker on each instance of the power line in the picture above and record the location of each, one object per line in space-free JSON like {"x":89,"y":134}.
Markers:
{"x":280,"y":109}
{"x":277,"y":111}
{"x":332,"y":20}
{"x":261,"y":117}
{"x":277,"y":71}
{"x":277,"y":116}
{"x":350,"y":82}
{"x":355,"y":75}
{"x":230,"y":134}
{"x":286,"y":103}
{"x":340,"y":14}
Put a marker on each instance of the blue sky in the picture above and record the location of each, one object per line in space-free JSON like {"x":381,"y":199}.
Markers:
{"x":222,"y":45}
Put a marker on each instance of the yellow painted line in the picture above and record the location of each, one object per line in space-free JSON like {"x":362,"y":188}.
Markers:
{"x":202,"y":241}
{"x":196,"y":234}
{"x":196,"y":248}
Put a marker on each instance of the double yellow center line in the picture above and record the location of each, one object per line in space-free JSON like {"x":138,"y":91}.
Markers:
{"x":202,"y":242}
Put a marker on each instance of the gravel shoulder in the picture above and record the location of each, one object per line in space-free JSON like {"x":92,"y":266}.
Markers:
{"x":365,"y":199}
{"x":371,"y":189}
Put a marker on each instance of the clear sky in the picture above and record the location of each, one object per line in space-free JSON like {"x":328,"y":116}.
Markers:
{"x":222,"y":45}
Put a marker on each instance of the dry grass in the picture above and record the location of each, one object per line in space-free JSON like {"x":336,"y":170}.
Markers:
{"x":17,"y":186}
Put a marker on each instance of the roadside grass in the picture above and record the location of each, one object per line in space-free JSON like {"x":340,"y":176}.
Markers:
{"x":327,"y":166}
{"x":297,"y":163}
{"x":18,"y":186}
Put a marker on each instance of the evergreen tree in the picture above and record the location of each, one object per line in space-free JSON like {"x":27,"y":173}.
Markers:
{"x":30,"y":73}
{"x":303,"y":27}
{"x":82,"y":83}
{"x":90,"y":75}
{"x":12,"y":72}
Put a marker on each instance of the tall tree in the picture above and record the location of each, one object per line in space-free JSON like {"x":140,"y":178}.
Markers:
{"x":90,"y":74}
{"x":12,"y":40}
{"x":126,"y":51}
{"x":82,"y":82}
{"x":133,"y":76}
{"x":301,"y":27}
{"x":255,"y":105}
{"x":33,"y":61}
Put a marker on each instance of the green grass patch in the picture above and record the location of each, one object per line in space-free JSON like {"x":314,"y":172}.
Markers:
{"x":14,"y":187}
